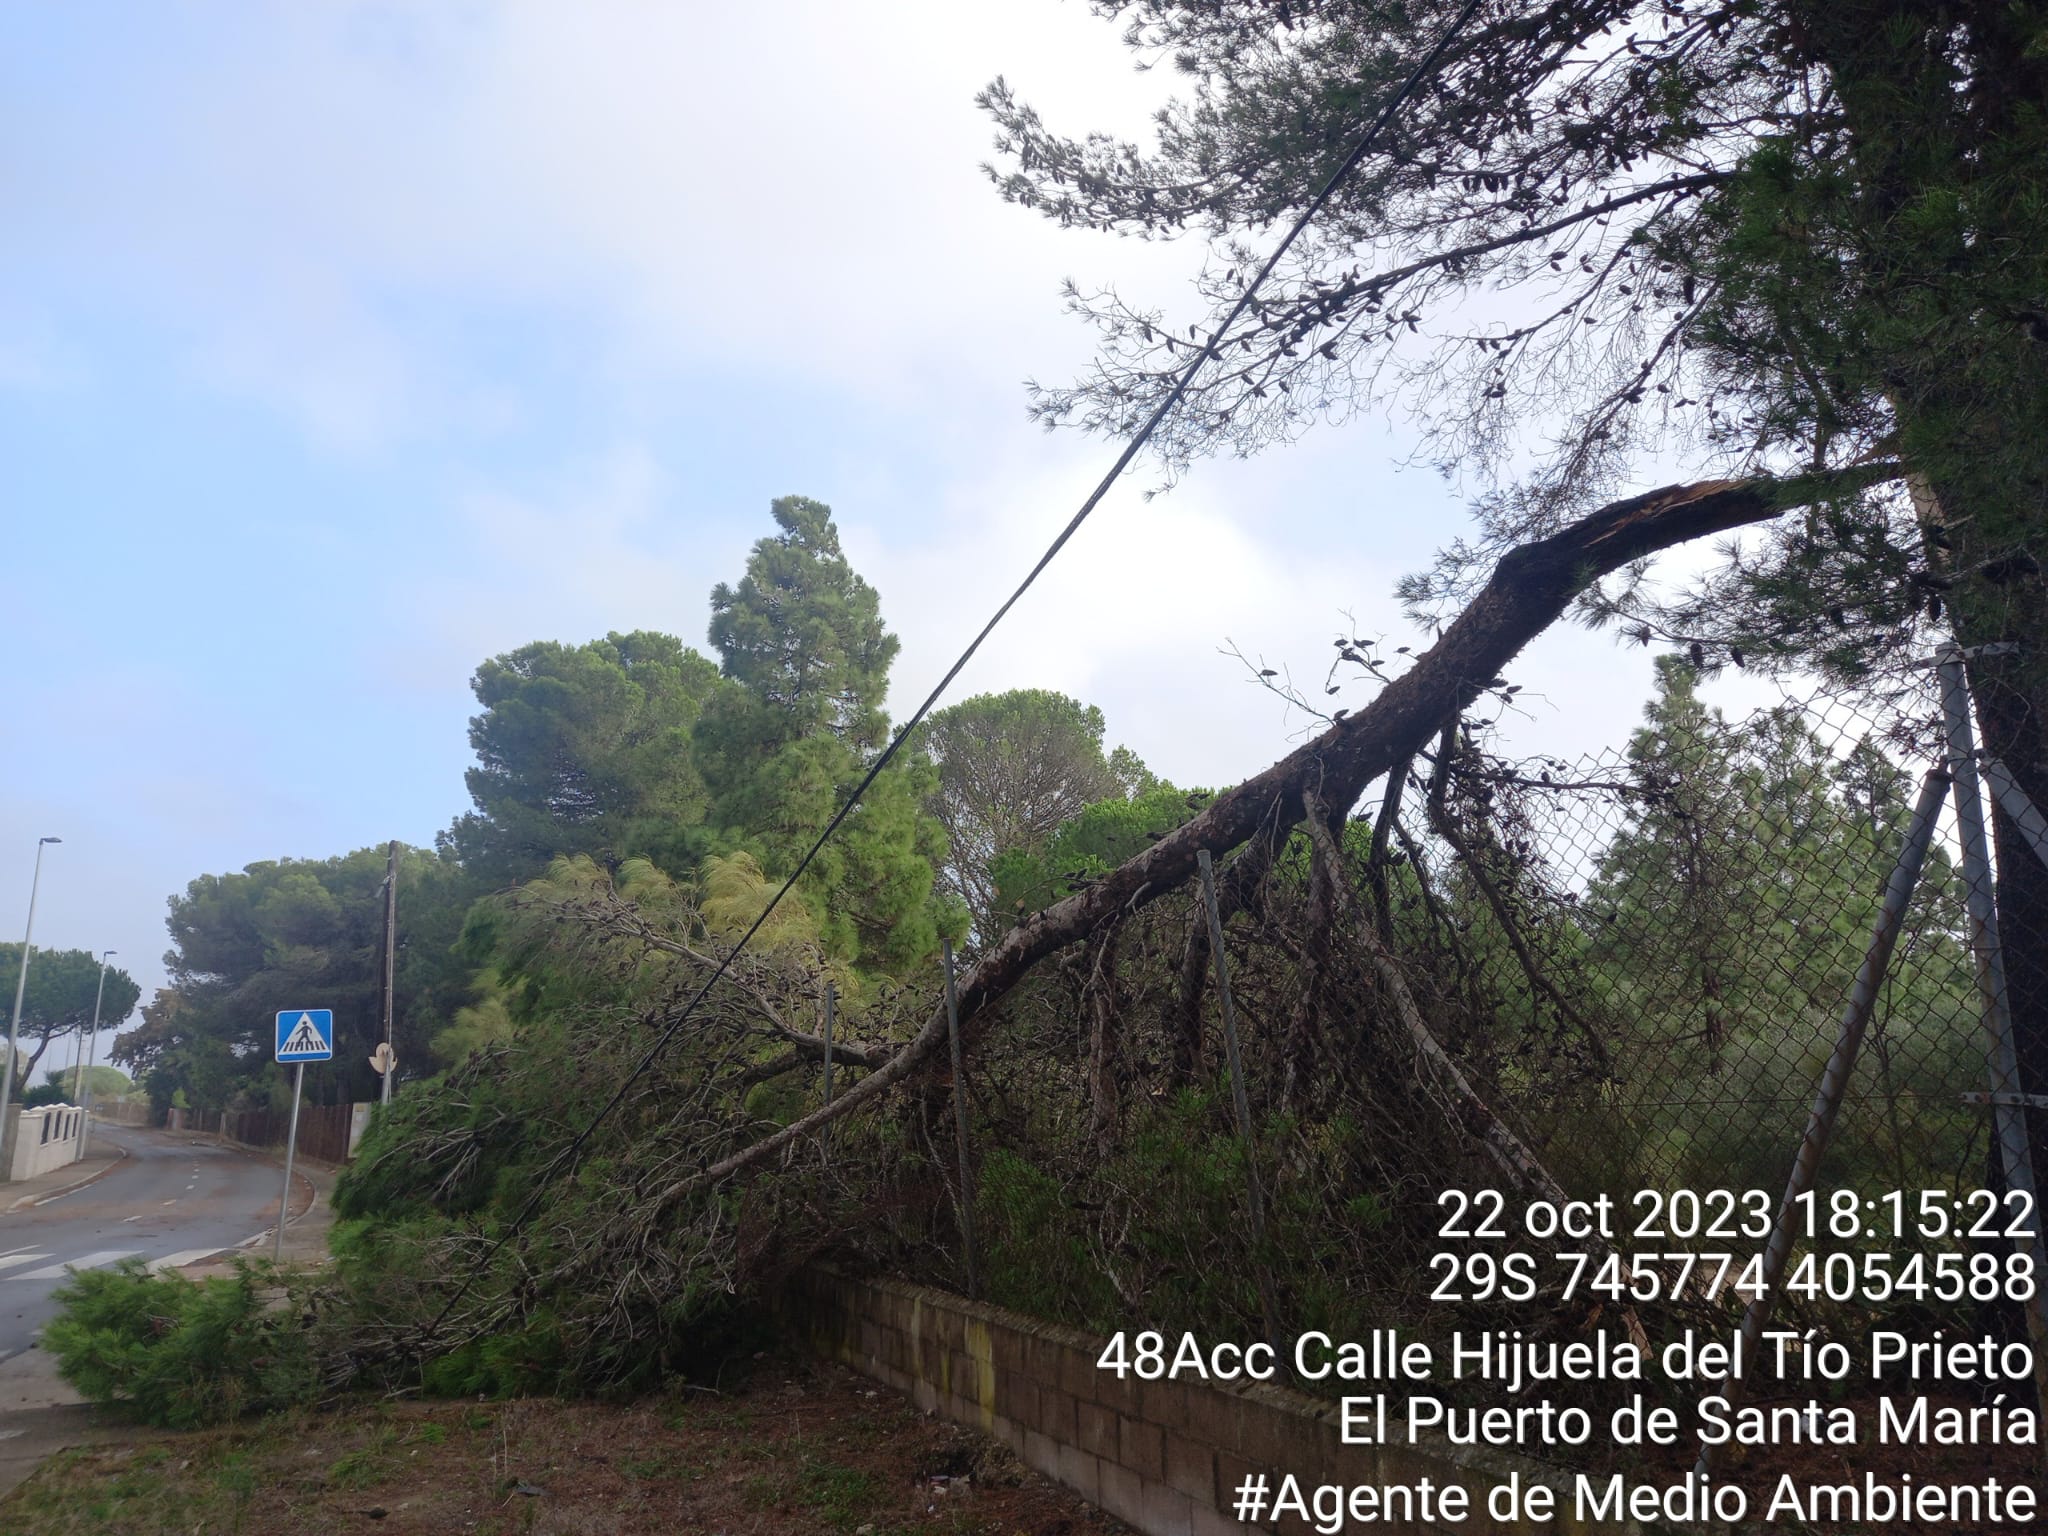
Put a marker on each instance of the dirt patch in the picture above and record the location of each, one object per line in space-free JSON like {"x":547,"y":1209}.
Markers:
{"x":801,"y":1449}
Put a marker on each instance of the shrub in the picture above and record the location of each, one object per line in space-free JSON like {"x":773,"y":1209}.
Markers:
{"x":179,"y":1352}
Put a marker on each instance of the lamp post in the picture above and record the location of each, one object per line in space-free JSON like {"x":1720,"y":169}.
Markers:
{"x":20,"y":985}
{"x":91,"y":1059}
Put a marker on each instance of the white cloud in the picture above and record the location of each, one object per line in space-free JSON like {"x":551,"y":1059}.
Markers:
{"x":611,"y":544}
{"x":1133,"y":616}
{"x":786,"y":191}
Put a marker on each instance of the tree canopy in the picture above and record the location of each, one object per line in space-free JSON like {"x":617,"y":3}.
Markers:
{"x":300,"y":933}
{"x":805,"y":657}
{"x":630,"y":750}
{"x":583,"y":749}
{"x":58,"y":1001}
{"x":1013,"y":768}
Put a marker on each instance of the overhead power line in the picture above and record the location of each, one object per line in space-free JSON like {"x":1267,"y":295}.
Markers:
{"x":1115,"y":472}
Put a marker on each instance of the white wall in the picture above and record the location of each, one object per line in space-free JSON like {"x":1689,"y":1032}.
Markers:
{"x":44,"y":1138}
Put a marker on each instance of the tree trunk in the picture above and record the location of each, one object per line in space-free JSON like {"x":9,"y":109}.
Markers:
{"x":1943,"y":106}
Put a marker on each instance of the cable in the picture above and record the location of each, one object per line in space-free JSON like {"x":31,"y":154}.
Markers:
{"x":1102,"y":488}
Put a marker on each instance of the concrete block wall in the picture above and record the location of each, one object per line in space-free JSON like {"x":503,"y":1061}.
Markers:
{"x":1163,"y":1456}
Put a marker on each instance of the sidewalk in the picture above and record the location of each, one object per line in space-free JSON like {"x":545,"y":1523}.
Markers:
{"x":19,"y":1195}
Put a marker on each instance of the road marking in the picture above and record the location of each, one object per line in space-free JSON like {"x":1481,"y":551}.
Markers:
{"x":180,"y":1260}
{"x":23,"y":1256}
{"x":90,"y":1261}
{"x":136,"y":1217}
{"x":172,"y":1201}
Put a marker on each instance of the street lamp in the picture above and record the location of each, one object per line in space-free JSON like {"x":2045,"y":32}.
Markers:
{"x":92,"y":1057}
{"x":20,"y":984}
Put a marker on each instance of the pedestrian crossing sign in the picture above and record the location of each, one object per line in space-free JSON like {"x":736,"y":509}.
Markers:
{"x":305,"y":1034}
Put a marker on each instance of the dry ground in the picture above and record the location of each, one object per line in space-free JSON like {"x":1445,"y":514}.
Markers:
{"x":801,"y":1449}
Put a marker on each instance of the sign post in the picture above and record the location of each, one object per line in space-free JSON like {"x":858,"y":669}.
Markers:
{"x":303,"y":1035}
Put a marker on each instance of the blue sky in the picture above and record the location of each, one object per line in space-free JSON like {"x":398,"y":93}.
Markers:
{"x":344,"y":345}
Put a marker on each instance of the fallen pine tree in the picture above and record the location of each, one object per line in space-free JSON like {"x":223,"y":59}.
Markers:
{"x":567,"y":1267}
{"x":1530,"y":588}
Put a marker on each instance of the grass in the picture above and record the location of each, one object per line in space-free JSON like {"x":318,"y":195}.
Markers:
{"x":798,"y":1453}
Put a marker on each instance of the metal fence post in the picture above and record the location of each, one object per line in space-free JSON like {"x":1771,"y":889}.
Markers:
{"x":1834,"y":1080}
{"x":2008,"y":1118}
{"x":960,"y":1125}
{"x":1255,"y":1198}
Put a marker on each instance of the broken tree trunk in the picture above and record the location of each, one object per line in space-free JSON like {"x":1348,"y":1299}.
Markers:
{"x":1529,"y":590}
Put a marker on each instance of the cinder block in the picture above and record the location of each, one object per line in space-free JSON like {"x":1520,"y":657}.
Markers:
{"x":1095,"y":1430}
{"x":1008,"y":1349}
{"x":1056,"y":1413}
{"x":1167,"y":1512}
{"x":1078,"y":1376}
{"x":1124,"y":1394}
{"x":1190,"y":1467}
{"x":1273,"y":1436}
{"x":1217,"y":1418}
{"x":1231,"y":1470}
{"x":1017,"y":1397}
{"x":1080,"y":1472}
{"x":1141,"y":1446}
{"x":1123,"y":1493}
{"x":1165,"y":1403}
{"x":966,"y":1374}
{"x":1041,"y":1453}
{"x":1209,"y":1522}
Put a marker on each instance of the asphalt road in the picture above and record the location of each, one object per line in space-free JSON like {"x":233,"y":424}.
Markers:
{"x":172,"y":1200}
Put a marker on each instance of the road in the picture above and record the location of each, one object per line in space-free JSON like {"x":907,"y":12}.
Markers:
{"x":172,"y":1200}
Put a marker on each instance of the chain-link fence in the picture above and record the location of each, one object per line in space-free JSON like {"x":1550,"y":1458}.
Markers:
{"x":1656,"y":945}
{"x":1632,"y":968}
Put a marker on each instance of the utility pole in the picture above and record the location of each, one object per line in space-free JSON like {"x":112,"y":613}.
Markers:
{"x":91,"y":1059}
{"x":390,"y":961}
{"x":14,"y":1027}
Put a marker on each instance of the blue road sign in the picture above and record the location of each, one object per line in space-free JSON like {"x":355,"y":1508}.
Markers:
{"x":305,"y":1034}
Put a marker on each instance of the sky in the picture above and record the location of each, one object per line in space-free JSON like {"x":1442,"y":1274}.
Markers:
{"x":346,"y":344}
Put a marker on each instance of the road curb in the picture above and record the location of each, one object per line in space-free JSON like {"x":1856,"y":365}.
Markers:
{"x":43,"y":1197}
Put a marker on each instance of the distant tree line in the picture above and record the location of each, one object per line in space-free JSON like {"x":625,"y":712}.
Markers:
{"x":633,"y":747}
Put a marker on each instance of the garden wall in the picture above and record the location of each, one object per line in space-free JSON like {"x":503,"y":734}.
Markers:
{"x":41,"y":1139}
{"x":1162,"y":1456}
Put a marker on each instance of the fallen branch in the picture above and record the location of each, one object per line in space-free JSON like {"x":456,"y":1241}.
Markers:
{"x":1529,"y":590}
